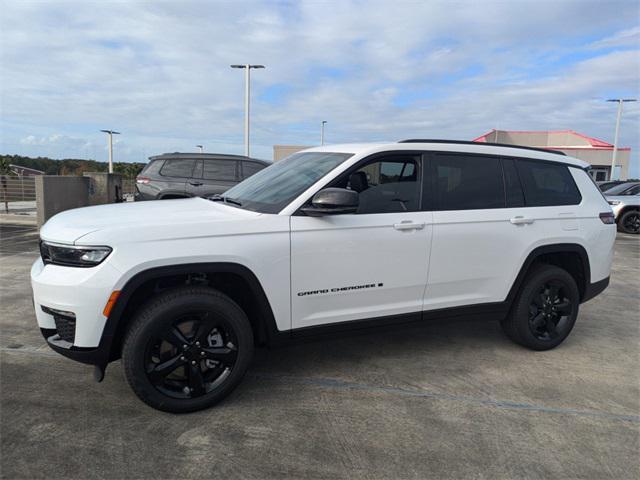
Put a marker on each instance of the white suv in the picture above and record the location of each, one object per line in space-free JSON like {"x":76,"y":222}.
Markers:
{"x":332,"y":238}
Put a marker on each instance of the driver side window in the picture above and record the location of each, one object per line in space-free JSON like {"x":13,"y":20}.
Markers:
{"x":387,"y":185}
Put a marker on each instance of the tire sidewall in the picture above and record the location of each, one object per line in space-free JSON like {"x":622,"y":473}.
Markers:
{"x":156,"y":317}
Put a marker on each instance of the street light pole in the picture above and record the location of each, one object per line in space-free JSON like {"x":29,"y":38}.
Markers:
{"x":111,"y":133}
{"x":322,"y":132}
{"x":247,"y":93}
{"x":200,"y":147}
{"x":620,"y":102}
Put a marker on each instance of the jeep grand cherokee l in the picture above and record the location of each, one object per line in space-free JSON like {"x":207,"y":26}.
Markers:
{"x":181,"y":175}
{"x":331,"y":238}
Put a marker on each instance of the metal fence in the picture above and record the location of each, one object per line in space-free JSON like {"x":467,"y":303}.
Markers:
{"x":17,"y":189}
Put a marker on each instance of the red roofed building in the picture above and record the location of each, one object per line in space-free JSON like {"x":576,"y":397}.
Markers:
{"x":596,"y":152}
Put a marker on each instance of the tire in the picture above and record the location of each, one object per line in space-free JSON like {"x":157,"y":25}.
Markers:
{"x":545,"y":309}
{"x":630,"y":222}
{"x":187,"y":349}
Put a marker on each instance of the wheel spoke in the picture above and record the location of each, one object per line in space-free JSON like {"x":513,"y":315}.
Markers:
{"x":161,"y":370}
{"x":553,"y":291}
{"x":564,"y":306}
{"x":196,"y":382}
{"x":538,"y":320}
{"x":551,"y":327}
{"x":175,"y":337}
{"x":226,"y":355}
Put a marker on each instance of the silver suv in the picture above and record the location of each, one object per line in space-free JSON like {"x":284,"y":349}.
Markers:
{"x":180,"y":175}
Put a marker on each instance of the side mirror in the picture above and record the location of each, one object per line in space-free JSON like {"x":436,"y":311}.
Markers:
{"x":332,"y":201}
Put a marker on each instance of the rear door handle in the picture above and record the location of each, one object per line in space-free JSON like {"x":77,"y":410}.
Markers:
{"x":195,"y":184}
{"x":521,"y":220}
{"x":408,"y":225}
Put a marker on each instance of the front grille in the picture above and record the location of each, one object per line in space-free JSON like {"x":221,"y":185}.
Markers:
{"x":65,"y":323}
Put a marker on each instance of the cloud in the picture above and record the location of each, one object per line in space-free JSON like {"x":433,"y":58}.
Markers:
{"x":159,"y":72}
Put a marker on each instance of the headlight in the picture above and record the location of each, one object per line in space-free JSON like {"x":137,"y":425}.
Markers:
{"x":72,"y":256}
{"x":614,"y":202}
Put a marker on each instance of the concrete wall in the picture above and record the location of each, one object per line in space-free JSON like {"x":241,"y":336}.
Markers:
{"x":283,"y":151}
{"x":104,"y":187}
{"x":56,"y":194}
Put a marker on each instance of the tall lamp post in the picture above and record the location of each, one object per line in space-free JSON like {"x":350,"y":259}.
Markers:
{"x":200,"y":147}
{"x":247,"y":89}
{"x":111,"y":133}
{"x":322,"y":131}
{"x":620,"y":102}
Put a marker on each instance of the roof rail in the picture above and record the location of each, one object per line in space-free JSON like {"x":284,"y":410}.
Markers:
{"x":467,"y":142}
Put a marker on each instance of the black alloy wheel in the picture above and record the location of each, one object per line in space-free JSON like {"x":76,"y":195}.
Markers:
{"x":550,"y":311}
{"x":194,"y":355}
{"x":545,"y":310}
{"x":630,"y":222}
{"x":187,"y":349}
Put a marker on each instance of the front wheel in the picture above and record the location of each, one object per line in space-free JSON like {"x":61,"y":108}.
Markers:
{"x":187,"y":349}
{"x":545,"y":309}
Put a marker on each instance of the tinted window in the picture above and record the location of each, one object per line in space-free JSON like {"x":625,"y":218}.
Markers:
{"x":177,"y":167}
{"x":466,"y":182}
{"x":633,"y":190}
{"x":152,"y":168}
{"x":513,"y":190}
{"x":224,"y":170}
{"x":547,"y":184}
{"x":249,"y":168}
{"x":387,"y":185}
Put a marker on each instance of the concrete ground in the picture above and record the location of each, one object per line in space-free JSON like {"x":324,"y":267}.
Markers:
{"x":444,"y":400}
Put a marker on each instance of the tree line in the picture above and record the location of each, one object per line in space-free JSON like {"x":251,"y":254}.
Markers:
{"x":68,"y":166}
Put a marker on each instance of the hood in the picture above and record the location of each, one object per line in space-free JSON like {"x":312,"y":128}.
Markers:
{"x":126,"y":219}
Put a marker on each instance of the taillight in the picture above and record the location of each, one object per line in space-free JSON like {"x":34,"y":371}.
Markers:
{"x":143,"y":180}
{"x":608,"y":218}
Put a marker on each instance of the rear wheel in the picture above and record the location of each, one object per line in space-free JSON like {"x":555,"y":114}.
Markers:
{"x":630,"y":222}
{"x":545,"y":309}
{"x":187,"y":349}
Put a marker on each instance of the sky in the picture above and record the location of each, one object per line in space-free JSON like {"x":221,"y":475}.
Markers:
{"x":374,"y":70}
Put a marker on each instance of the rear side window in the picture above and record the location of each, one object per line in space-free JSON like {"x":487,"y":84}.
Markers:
{"x":547,"y":184}
{"x":249,"y":168}
{"x":224,"y":170}
{"x":178,"y":167}
{"x":467,"y":182}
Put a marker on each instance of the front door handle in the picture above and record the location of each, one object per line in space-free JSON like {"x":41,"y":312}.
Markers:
{"x":195,"y":184}
{"x":521,"y":220}
{"x":408,"y":225}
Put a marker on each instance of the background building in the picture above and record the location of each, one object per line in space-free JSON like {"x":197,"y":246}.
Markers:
{"x":596,"y":152}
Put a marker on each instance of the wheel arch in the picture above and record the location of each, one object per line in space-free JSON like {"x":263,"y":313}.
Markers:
{"x":572,"y":257}
{"x":235,"y":280}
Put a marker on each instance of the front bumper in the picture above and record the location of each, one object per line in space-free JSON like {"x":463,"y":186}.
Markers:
{"x":81,"y":291}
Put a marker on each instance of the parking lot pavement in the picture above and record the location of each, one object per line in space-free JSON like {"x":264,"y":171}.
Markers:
{"x":443,"y":400}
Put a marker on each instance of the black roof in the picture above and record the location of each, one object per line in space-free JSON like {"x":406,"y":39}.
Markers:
{"x":467,"y":142}
{"x":208,"y":156}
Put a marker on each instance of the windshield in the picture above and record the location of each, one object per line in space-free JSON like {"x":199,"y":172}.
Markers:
{"x":618,"y":189}
{"x":272,"y":189}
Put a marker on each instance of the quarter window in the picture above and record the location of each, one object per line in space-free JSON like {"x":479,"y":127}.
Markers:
{"x":467,"y":182}
{"x":547,"y":184}
{"x":177,"y":168}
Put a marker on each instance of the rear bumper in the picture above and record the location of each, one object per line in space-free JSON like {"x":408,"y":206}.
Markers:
{"x":594,"y":289}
